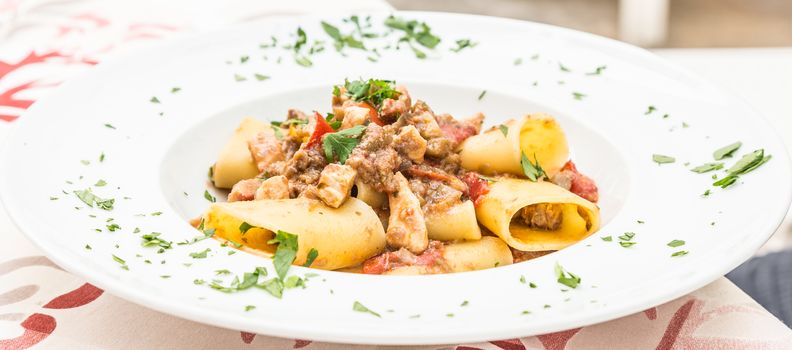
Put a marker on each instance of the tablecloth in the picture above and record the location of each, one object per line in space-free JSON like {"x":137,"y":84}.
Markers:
{"x":43,"y":43}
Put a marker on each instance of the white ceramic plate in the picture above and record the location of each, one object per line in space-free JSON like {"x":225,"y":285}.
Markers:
{"x":157,"y":155}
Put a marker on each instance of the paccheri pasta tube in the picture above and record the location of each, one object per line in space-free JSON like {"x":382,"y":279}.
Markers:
{"x":488,"y":252}
{"x":455,"y":223}
{"x":499,"y":150}
{"x":536,"y":216}
{"x":343,"y":237}
{"x":235,"y":162}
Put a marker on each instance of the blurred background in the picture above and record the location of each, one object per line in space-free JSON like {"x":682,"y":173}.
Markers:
{"x":648,"y":23}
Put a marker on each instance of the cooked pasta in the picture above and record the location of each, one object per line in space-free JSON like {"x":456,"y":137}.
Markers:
{"x":384,"y":185}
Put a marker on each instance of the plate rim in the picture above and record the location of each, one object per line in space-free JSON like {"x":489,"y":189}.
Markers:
{"x":191,"y":312}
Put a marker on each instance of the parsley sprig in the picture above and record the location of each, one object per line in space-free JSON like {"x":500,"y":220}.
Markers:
{"x":566,"y":278}
{"x":341,"y":143}
{"x":414,"y":32}
{"x":533,"y":171}
{"x":372,"y":91}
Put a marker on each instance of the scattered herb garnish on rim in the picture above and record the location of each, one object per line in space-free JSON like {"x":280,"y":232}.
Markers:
{"x":565,"y":277}
{"x":726,"y":151}
{"x":661,"y":159}
{"x":464,"y":43}
{"x":357,"y":306}
{"x":706,"y":167}
{"x":746,"y":164}
{"x":676,"y":243}
{"x":414,"y":32}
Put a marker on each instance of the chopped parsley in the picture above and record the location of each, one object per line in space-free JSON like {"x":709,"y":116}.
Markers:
{"x":198,"y":281}
{"x":312,"y":254}
{"x":706,"y":193}
{"x":463,"y":44}
{"x":341,"y":40}
{"x":563,"y":68}
{"x":154,"y":99}
{"x":90,"y":199}
{"x":153,"y":240}
{"x":414,"y":32}
{"x":261,"y":77}
{"x":201,"y":254}
{"x":532,"y":285}
{"x":249,"y":307}
{"x":578,"y":96}
{"x":676,"y":243}
{"x":504,"y":129}
{"x":244,"y":59}
{"x":533,"y":171}
{"x":244,"y":227}
{"x":679,"y":253}
{"x":372,"y":91}
{"x":726,"y":151}
{"x":707,"y":167}
{"x":481,"y":95}
{"x":650,"y":110}
{"x":518,"y":61}
{"x":464,"y":303}
{"x":522,"y":279}
{"x":565,"y":277}
{"x":598,"y":70}
{"x":100,"y":183}
{"x":341,"y":143}
{"x":607,"y":238}
{"x":120,"y":261}
{"x":175,"y":89}
{"x":109,"y":126}
{"x":222,"y":272}
{"x":357,"y":306}
{"x":746,"y":164}
{"x":239,"y":77}
{"x":627,"y":236}
{"x":661,"y":159}
{"x":627,"y":244}
{"x":113,"y":227}
{"x":209,"y":196}
{"x":285,"y":253}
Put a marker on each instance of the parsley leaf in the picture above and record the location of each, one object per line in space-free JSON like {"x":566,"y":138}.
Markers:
{"x":504,"y":129}
{"x":340,"y":39}
{"x":273,"y":286}
{"x":152,"y":240}
{"x":598,"y":70}
{"x":209,"y":196}
{"x":244,"y":227}
{"x":357,"y":306}
{"x":481,"y":95}
{"x":414,"y":31}
{"x":373,"y":91}
{"x":90,"y":199}
{"x":676,"y":243}
{"x":661,"y":159}
{"x":285,"y":253}
{"x":201,"y":254}
{"x":463,"y":44}
{"x":706,"y":167}
{"x":341,"y":143}
{"x":679,"y":253}
{"x":565,"y":277}
{"x":533,"y":171}
{"x":726,"y":151}
{"x":312,"y":254}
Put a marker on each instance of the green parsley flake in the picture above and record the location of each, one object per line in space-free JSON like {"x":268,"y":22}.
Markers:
{"x":661,"y":159}
{"x":566,"y":278}
{"x":650,"y":110}
{"x":261,"y":77}
{"x":464,"y":303}
{"x":598,"y":70}
{"x":341,"y":143}
{"x":563,"y":68}
{"x":90,"y":199}
{"x":726,"y":151}
{"x":518,"y":61}
{"x":679,"y":253}
{"x":357,"y":306}
{"x":707,"y":167}
{"x":607,"y":238}
{"x":578,"y":96}
{"x":175,"y":89}
{"x":201,"y":254}
{"x":676,"y":243}
{"x":481,"y":95}
{"x":533,"y":171}
{"x":154,"y":99}
{"x":463,"y":44}
{"x":627,"y":244}
{"x":504,"y":129}
{"x":249,"y":307}
{"x":198,"y":281}
{"x":209,"y":196}
{"x":113,"y":227}
{"x":119,"y":260}
{"x":312,"y":254}
{"x":285,"y":253}
{"x":239,"y":77}
{"x":100,"y":183}
{"x":222,"y":272}
{"x":532,"y":285}
{"x":244,"y":227}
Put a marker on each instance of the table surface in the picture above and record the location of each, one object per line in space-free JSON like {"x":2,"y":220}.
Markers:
{"x":45,"y":42}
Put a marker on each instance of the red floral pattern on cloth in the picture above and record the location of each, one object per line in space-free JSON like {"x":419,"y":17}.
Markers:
{"x":39,"y":302}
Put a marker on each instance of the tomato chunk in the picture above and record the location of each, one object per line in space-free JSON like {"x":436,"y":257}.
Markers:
{"x":477,"y":187}
{"x":322,"y":128}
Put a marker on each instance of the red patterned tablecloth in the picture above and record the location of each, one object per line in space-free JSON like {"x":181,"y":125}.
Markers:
{"x":43,"y":43}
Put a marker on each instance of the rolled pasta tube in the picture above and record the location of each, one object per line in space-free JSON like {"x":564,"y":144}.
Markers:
{"x":534,"y":134}
{"x":499,"y":211}
{"x":343,"y":237}
{"x":482,"y":254}
{"x":457,"y":223}
{"x":235,"y":162}
{"x":477,"y":255}
{"x":369,"y":195}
